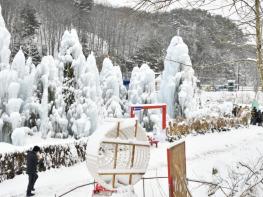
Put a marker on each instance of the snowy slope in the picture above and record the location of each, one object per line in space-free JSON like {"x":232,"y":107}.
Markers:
{"x":204,"y":152}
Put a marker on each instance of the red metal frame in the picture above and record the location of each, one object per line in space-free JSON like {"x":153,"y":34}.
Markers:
{"x":163,"y":106}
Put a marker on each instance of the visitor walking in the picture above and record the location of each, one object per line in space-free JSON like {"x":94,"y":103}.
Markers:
{"x":234,"y":111}
{"x":254,"y":116}
{"x":32,"y":160}
{"x":259,"y":118}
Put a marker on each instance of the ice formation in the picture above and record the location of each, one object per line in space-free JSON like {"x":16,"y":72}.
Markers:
{"x":178,"y":84}
{"x":16,"y":89}
{"x":71,"y":52}
{"x":4,"y":43}
{"x":12,"y":96}
{"x":83,"y":94}
{"x":142,"y":86}
{"x":112,"y":88}
{"x":142,"y":91}
{"x":19,"y":64}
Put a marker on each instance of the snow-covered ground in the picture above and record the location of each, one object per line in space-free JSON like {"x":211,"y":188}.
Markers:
{"x":237,"y":97}
{"x":203,"y":152}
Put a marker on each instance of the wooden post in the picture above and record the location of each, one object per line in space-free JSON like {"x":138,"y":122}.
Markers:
{"x":164,"y":117}
{"x":143,"y":187}
{"x":133,"y":151}
{"x":115,"y":155}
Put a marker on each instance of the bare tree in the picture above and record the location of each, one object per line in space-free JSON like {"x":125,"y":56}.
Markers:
{"x":249,"y":12}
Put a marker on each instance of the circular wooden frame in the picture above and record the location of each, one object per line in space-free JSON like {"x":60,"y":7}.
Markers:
{"x":118,"y":153}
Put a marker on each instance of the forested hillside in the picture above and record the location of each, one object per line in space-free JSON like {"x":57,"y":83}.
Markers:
{"x":131,"y":37}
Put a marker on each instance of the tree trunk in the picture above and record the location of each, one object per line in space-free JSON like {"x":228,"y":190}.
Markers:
{"x":259,"y":41}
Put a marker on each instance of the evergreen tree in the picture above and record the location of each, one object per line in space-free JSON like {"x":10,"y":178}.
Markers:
{"x":25,"y":32}
{"x":84,"y":5}
{"x":150,"y":53}
{"x":29,"y":21}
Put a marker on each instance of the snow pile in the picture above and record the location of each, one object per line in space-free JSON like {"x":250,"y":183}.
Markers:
{"x":127,"y":191}
{"x":178,"y":84}
{"x":19,"y":136}
{"x":112,"y":88}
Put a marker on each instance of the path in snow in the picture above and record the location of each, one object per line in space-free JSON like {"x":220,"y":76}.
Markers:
{"x":203,"y":152}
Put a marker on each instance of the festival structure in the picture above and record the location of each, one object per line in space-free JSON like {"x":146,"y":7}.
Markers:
{"x":118,"y":154}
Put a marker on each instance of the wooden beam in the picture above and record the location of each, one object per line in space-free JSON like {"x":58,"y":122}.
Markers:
{"x":133,"y":151}
{"x":121,"y":173}
{"x":126,"y":143}
{"x":115,"y":155}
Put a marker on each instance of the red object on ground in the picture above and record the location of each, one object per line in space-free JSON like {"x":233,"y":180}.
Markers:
{"x":98,"y":189}
{"x":152,"y":141}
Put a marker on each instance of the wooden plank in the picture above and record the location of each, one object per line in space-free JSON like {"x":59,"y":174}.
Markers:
{"x":133,"y":151}
{"x":118,"y":171}
{"x":121,"y":173}
{"x":126,"y":142}
{"x":177,"y":170}
{"x":136,"y":129}
{"x":115,"y":155}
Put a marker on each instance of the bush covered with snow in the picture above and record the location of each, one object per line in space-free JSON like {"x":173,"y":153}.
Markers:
{"x":182,"y":126}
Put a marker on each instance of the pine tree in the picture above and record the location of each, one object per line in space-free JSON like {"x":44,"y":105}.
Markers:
{"x":84,"y":5}
{"x":25,"y":32}
{"x":150,"y":53}
{"x":69,"y":81}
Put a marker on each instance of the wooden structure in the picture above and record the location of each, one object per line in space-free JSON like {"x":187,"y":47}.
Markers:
{"x":177,"y":170}
{"x":121,"y":156}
